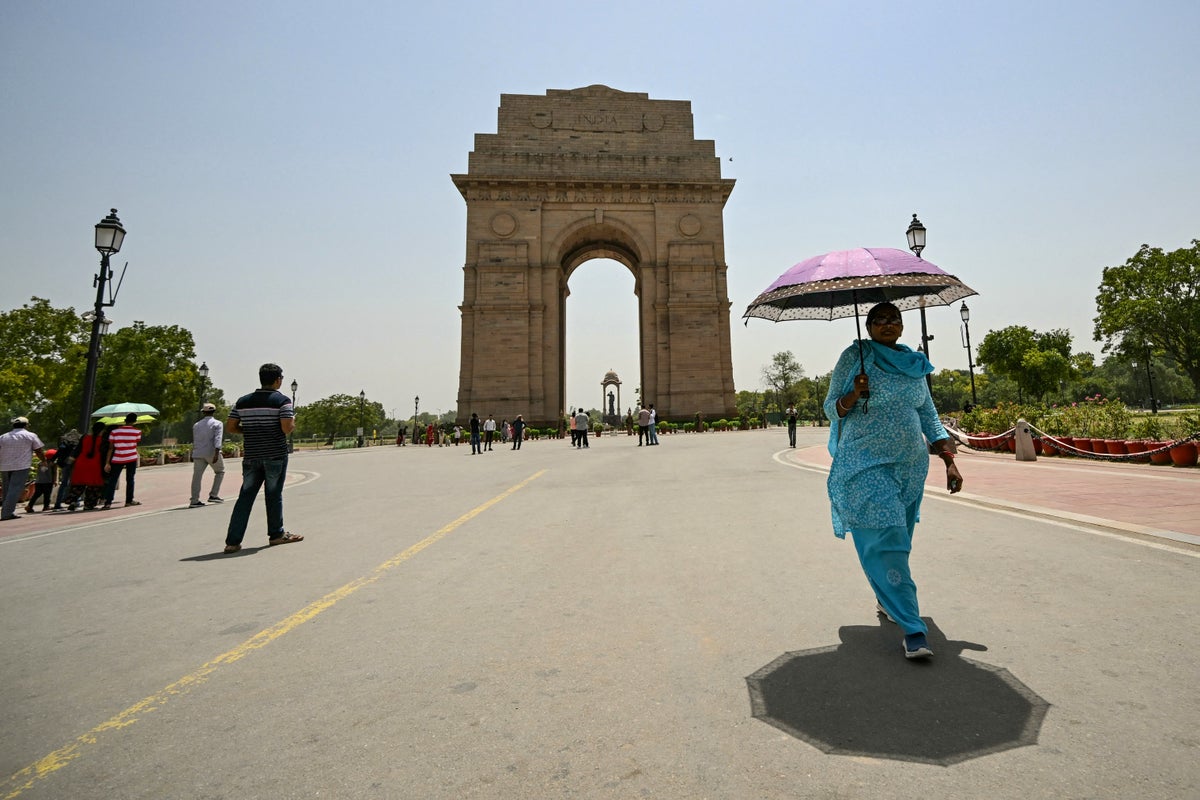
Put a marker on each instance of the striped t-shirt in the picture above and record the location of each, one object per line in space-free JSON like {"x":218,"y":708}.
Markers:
{"x":259,"y":414}
{"x":124,"y":442}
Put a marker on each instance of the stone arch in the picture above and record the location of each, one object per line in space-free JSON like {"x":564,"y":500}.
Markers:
{"x":576,"y":175}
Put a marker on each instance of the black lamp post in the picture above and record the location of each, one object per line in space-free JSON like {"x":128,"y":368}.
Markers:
{"x":362,"y":398}
{"x":1150,"y":383}
{"x":291,"y":440}
{"x":109,"y":236}
{"x":916,"y":243}
{"x":965,"y":313}
{"x":203,"y":382}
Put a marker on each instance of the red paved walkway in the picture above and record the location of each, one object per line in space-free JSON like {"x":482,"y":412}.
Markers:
{"x":1148,"y":499}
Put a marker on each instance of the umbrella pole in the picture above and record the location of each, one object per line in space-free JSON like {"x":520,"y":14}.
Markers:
{"x":862,"y":364}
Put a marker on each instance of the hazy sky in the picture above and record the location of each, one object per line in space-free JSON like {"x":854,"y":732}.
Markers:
{"x":282,"y":168}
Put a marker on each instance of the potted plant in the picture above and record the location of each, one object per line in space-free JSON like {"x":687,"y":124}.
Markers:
{"x":1184,"y":453}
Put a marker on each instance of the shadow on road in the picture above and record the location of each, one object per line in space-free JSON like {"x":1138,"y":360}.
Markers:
{"x":863,"y":698}
{"x":245,"y":551}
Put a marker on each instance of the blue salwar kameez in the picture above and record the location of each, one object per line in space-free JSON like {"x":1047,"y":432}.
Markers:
{"x":880,"y":461}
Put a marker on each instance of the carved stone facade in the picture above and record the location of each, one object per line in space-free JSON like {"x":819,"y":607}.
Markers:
{"x":576,"y":175}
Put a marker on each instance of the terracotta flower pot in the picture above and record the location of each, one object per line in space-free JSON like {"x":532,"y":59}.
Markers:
{"x":1184,"y":454}
{"x":1038,"y":447}
{"x":1046,"y":447}
{"x":1115,"y":447}
{"x":1159,"y":458}
{"x":1011,"y":444}
{"x":1138,"y":446}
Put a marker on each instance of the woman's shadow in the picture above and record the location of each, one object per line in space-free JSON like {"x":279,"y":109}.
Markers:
{"x":863,"y":698}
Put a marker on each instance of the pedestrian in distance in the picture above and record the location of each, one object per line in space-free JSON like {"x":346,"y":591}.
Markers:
{"x":457,"y":434}
{"x":474,"y":434}
{"x":791,"y":423}
{"x":17,"y":449}
{"x":207,"y":438}
{"x":64,"y":458}
{"x":87,"y":473}
{"x":652,"y":431}
{"x":581,"y":429}
{"x":264,"y":418}
{"x":489,"y":432}
{"x":505,"y":431}
{"x":518,"y":432}
{"x":881,"y":416}
{"x":429,"y":435}
{"x":643,"y":425}
{"x":43,"y":486}
{"x":122,"y":457}
{"x":571,"y":426}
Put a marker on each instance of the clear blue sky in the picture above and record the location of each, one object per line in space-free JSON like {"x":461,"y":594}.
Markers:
{"x":283,"y":167}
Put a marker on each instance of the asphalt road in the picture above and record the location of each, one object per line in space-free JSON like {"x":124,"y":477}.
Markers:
{"x":562,"y":623}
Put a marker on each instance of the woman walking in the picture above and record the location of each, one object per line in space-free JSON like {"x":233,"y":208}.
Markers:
{"x":880,"y":461}
{"x":87,"y":474}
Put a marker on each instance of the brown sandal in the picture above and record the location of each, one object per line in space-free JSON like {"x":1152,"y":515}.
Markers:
{"x":287,"y":538}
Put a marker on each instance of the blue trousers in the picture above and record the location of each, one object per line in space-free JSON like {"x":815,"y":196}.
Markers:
{"x":257,"y":473}
{"x":883,"y":553}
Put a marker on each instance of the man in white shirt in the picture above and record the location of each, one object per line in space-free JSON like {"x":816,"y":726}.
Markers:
{"x":653,"y":431}
{"x":16,"y":456}
{"x":489,"y":432}
{"x":582,"y":423}
{"x":207,"y":436}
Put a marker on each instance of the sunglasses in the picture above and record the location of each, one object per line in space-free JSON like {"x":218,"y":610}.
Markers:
{"x":887,"y":321}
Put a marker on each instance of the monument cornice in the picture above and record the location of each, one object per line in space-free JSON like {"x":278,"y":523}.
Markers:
{"x":485,"y":188}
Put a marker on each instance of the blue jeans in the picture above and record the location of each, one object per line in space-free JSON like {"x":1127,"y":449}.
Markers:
{"x":475,"y":448}
{"x":255,"y":473}
{"x":14,"y":487}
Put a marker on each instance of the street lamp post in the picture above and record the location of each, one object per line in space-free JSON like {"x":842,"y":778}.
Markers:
{"x":416,"y":405}
{"x":109,"y":237}
{"x":291,"y":440}
{"x":965,"y":313}
{"x":203,"y":382}
{"x":1150,"y":383}
{"x":362,"y":398}
{"x":916,"y":243}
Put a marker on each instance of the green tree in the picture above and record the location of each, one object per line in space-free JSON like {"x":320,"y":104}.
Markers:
{"x":150,"y":364}
{"x":1035,"y":361}
{"x":1154,"y":299}
{"x":338,"y":415}
{"x":43,"y":351}
{"x":781,"y":376}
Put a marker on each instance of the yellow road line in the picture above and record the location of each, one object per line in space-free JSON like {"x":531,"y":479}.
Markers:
{"x":50,"y":764}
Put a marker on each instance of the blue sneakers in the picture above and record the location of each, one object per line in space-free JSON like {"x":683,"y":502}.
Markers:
{"x":915,"y":646}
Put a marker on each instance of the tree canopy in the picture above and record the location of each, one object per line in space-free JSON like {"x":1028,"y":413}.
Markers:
{"x":1035,"y":361}
{"x":43,"y":358}
{"x":782,"y":375}
{"x":1152,"y":302}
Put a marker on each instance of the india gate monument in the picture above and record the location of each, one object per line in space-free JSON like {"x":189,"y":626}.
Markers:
{"x":580,"y":174}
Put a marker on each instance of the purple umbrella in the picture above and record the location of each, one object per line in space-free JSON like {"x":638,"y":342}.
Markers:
{"x":847,"y":282}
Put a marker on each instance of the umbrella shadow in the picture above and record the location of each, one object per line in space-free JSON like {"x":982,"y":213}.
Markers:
{"x":863,"y":698}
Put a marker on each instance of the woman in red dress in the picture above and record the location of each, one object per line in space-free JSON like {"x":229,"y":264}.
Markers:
{"x":87,"y":474}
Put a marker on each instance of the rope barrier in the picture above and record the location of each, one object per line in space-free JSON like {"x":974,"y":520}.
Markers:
{"x":976,"y":443}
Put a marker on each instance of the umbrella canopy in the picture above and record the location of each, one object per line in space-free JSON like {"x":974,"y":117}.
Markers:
{"x":123,"y":409}
{"x":141,"y":420}
{"x":845,"y":283}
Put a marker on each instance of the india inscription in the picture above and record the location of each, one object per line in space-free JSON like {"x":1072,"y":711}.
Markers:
{"x":578,"y":174}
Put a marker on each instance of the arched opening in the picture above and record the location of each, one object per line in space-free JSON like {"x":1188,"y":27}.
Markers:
{"x":601,"y":333}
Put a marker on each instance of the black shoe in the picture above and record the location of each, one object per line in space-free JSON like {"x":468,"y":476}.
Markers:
{"x":195,"y":504}
{"x":215,"y":500}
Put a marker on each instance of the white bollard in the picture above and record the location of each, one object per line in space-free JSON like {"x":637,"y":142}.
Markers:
{"x":1025,"y":451}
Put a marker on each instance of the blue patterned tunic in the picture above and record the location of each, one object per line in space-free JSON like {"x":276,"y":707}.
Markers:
{"x":880,"y":458}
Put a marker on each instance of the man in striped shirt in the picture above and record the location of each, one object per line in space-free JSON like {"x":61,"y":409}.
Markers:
{"x":264,"y":418}
{"x":122,"y":457}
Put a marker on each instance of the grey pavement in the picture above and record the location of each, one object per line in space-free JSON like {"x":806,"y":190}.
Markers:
{"x":564,"y":623}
